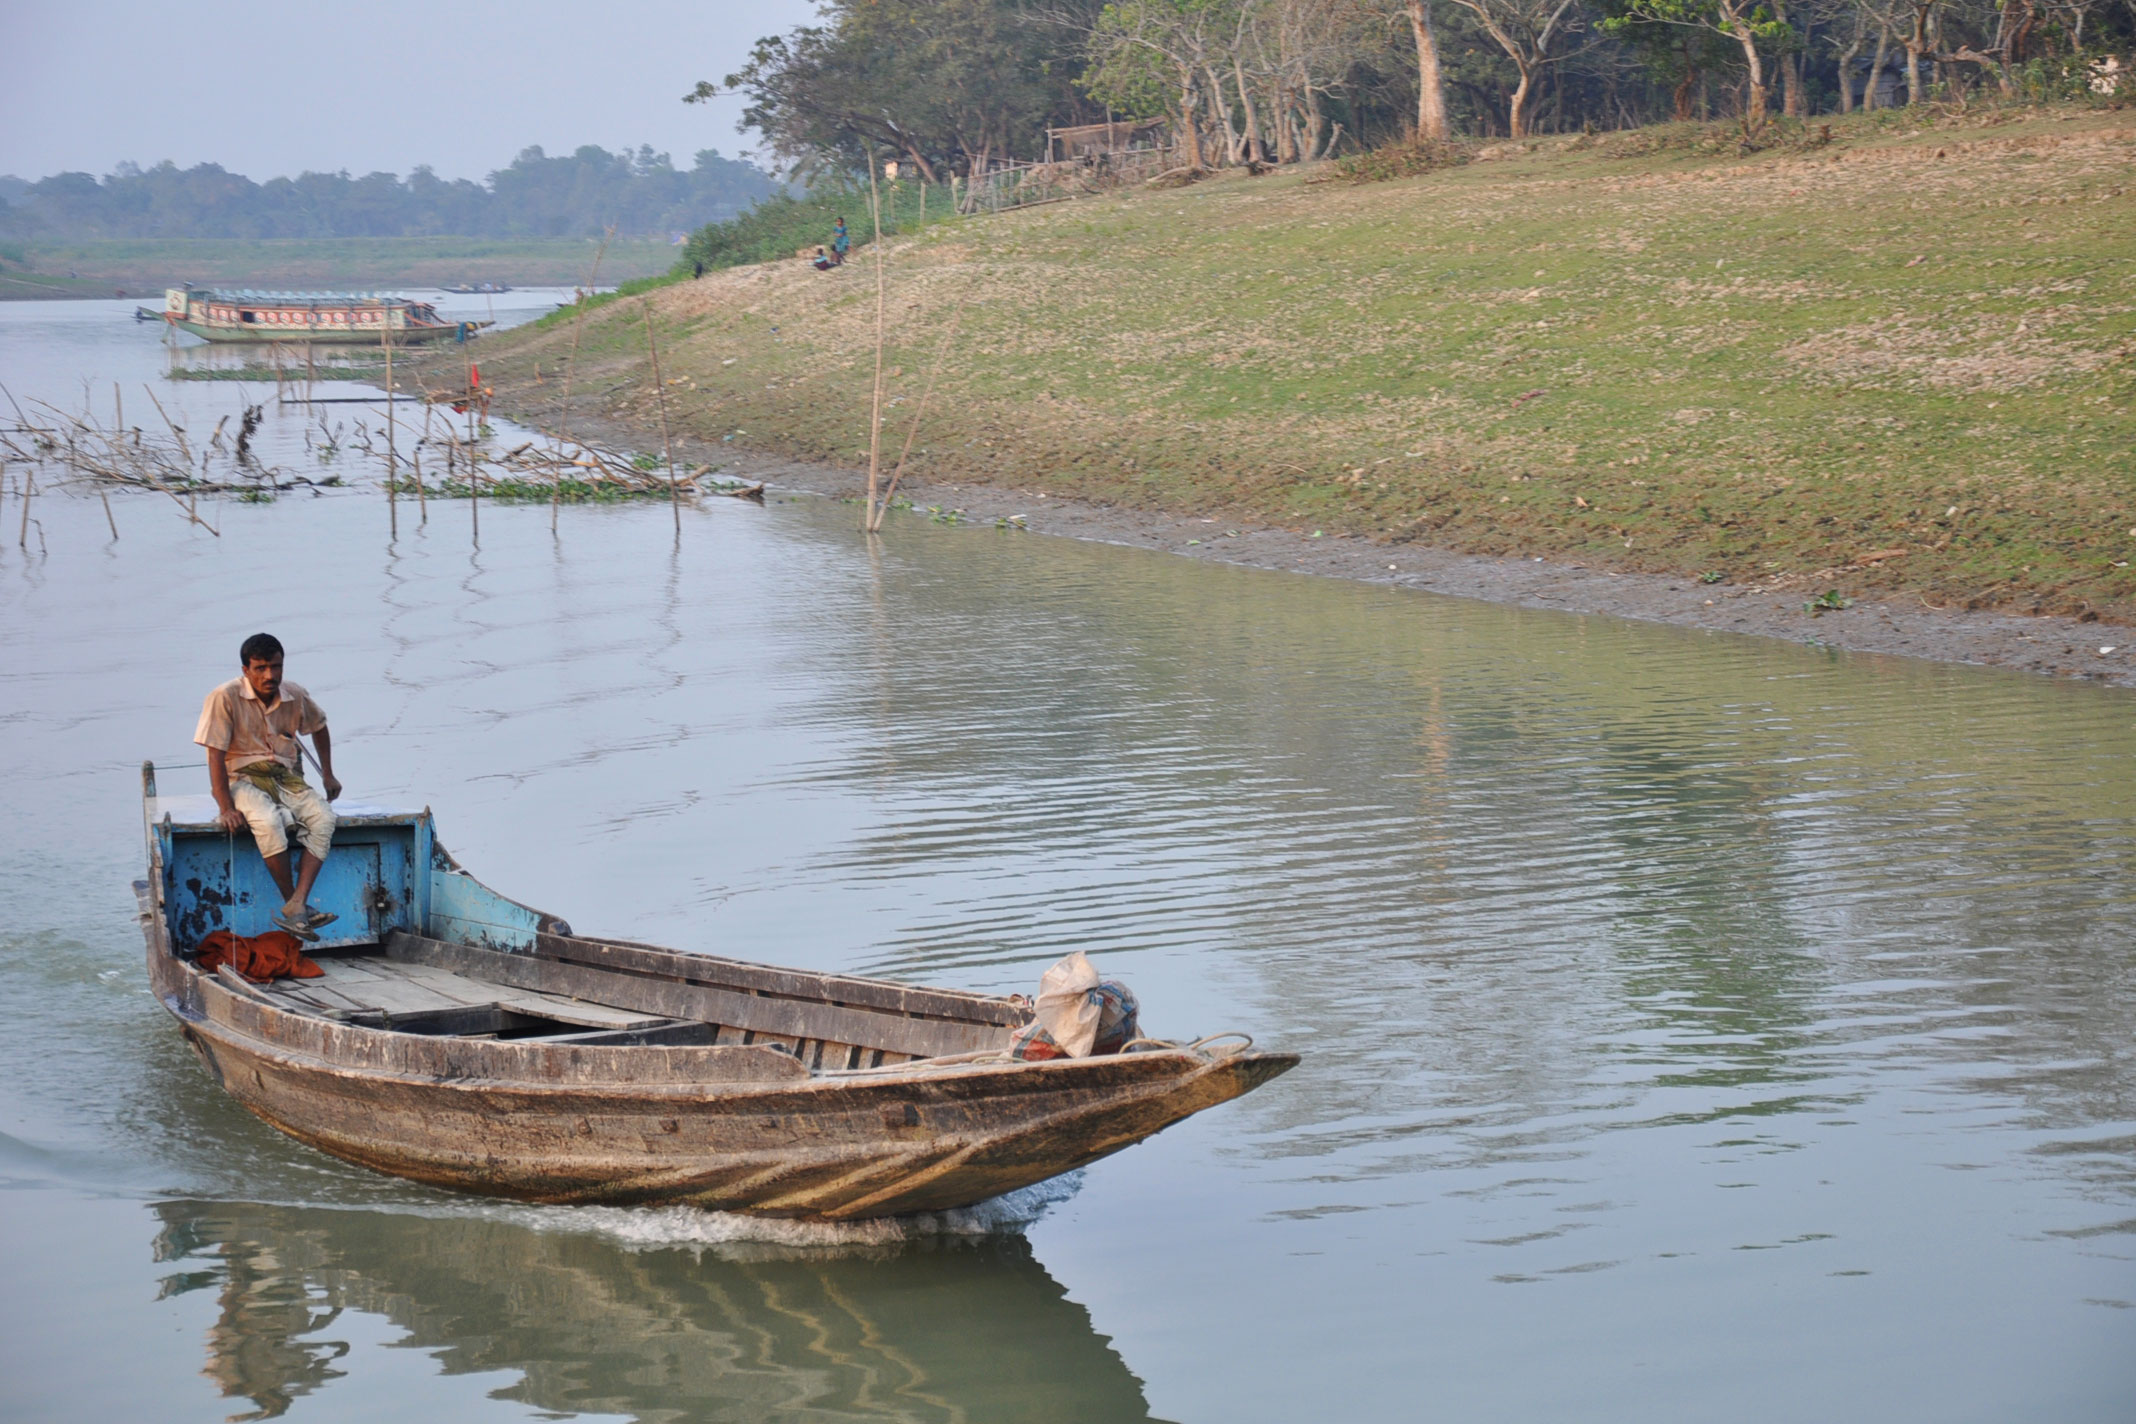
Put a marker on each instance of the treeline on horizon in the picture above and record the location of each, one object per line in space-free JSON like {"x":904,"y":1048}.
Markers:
{"x":579,"y":195}
{"x":961,"y":86}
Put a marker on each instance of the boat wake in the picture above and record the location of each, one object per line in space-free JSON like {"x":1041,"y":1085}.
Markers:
{"x":733,"y":1234}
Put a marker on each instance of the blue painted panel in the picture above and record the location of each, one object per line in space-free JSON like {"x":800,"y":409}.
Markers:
{"x":462,"y":908}
{"x":215,"y":880}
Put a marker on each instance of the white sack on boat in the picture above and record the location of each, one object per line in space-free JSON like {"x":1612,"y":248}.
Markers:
{"x":1067,"y":1008}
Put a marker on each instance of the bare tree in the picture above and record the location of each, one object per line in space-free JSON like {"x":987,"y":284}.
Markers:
{"x":1528,"y":31}
{"x":1431,"y":82}
{"x":1746,"y":22}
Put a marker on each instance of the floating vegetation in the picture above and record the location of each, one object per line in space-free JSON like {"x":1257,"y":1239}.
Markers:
{"x":515,"y":490}
{"x":574,"y":474}
{"x":270,"y":375}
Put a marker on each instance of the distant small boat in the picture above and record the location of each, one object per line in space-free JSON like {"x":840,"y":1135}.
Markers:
{"x":478,"y":289}
{"x":468,"y":1041}
{"x":340,"y":318}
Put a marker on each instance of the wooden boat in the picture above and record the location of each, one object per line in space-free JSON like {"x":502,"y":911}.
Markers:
{"x":338,"y":318}
{"x":462,"y":1039}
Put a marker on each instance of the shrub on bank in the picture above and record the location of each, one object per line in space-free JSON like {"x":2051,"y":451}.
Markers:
{"x":785,"y":223}
{"x":1405,"y":158}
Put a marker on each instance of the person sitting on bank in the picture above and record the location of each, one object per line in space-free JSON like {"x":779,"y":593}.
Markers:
{"x":821,"y":261}
{"x":250,"y":727}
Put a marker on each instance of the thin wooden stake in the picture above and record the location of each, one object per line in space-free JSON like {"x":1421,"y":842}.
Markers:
{"x":474,"y":482}
{"x":875,"y":413}
{"x":577,"y":322}
{"x":934,"y":370}
{"x":667,"y":444}
{"x":392,"y":475}
{"x":422,"y":499}
{"x":29,"y":487}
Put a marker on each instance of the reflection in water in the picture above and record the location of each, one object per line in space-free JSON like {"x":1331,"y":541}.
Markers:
{"x":946,"y":1329}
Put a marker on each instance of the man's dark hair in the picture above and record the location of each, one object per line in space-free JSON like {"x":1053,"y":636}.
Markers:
{"x":259,"y":648}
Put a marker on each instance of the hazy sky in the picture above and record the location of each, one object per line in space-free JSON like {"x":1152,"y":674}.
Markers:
{"x":271,"y":87}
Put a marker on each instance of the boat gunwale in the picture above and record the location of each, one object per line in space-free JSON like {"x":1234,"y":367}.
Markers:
{"x":276,"y":1029}
{"x":1142,"y":1069}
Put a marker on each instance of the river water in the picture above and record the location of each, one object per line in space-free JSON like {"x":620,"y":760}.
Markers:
{"x":1693,"y":1026}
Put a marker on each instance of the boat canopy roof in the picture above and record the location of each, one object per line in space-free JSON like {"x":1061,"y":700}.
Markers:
{"x":312,"y":298}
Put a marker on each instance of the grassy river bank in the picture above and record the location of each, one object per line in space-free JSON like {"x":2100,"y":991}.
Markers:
{"x":1898,"y":363}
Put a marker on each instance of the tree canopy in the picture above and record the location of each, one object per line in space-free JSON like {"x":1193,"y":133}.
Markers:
{"x":536,"y":195}
{"x":961,"y":85}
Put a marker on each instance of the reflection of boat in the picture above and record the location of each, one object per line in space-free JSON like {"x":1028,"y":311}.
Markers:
{"x":933,"y":1330}
{"x":478,"y":289}
{"x":462,"y":1039}
{"x":342,"y":318}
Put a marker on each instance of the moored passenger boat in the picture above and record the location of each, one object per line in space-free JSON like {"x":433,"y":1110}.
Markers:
{"x":462,"y":1039}
{"x":342,"y":318}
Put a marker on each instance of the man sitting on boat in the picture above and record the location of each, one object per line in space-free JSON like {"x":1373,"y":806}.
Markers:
{"x":250,"y":727}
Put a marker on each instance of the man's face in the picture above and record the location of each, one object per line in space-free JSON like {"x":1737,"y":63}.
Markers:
{"x":265,"y":679}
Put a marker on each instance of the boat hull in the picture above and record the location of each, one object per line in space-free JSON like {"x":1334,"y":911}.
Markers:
{"x":793,"y":1148}
{"x":320,"y":336}
{"x":602,"y":1071}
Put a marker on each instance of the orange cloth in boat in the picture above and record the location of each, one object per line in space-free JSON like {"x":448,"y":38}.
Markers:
{"x":276,"y":954}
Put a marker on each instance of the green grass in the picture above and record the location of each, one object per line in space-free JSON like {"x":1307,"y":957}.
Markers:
{"x":1899,"y":358}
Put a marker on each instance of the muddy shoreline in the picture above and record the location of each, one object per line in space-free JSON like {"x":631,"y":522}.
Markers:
{"x":1908,"y":627}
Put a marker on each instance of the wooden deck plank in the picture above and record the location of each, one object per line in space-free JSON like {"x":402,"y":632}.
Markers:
{"x":403,"y":987}
{"x":578,"y":1011}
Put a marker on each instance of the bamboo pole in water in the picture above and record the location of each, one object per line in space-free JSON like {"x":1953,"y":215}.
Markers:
{"x":422,"y":498}
{"x":474,"y":481}
{"x":667,"y":443}
{"x":385,"y":316}
{"x":875,"y":410}
{"x":118,"y":407}
{"x":898,"y":472}
{"x":578,"y":321}
{"x":29,"y":487}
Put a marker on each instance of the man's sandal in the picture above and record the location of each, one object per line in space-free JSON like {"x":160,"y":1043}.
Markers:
{"x":315,"y":918}
{"x":286,"y":921}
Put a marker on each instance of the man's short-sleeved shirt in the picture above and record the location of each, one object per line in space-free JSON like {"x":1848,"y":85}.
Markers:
{"x":233,"y":721}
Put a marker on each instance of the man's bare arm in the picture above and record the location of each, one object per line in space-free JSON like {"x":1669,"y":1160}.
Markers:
{"x":219,"y":783}
{"x":323,"y":745}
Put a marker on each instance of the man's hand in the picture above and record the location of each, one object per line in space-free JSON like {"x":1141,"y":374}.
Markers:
{"x":232,"y":819}
{"x":323,"y":752}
